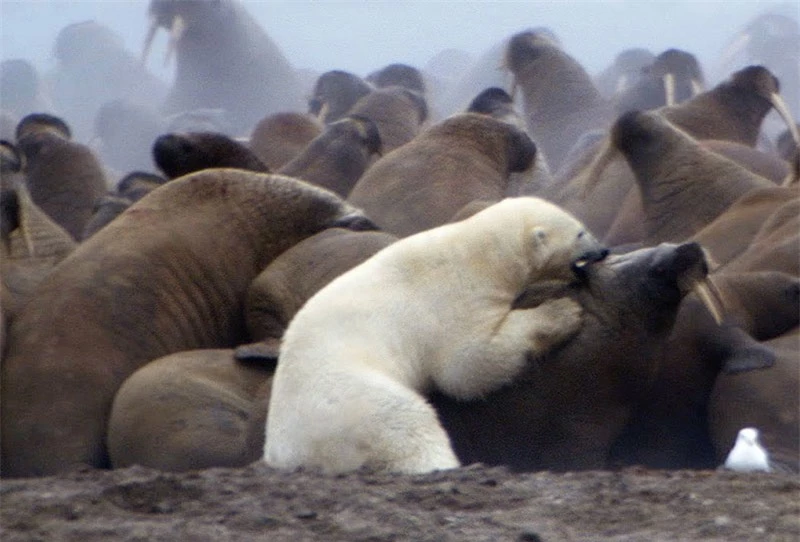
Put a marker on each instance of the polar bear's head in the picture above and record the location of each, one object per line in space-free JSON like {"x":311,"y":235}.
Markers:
{"x":555,"y":244}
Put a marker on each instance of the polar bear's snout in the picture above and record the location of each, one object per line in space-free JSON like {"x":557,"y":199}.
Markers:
{"x":590,"y":257}
{"x":591,"y":251}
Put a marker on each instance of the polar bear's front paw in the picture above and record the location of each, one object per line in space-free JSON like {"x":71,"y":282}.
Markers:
{"x":553,"y":322}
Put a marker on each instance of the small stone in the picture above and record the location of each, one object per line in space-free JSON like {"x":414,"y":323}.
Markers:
{"x":722,"y":521}
{"x":163,"y":508}
{"x":306,"y":514}
{"x":267,"y":521}
{"x":73,"y":512}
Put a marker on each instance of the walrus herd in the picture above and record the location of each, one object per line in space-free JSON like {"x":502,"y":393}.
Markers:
{"x":513,"y":262}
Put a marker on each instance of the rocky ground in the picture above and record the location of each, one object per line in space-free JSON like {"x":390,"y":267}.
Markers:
{"x":474,"y":503}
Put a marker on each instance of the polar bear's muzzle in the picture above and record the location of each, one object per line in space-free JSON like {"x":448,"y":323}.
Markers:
{"x":593,"y":253}
{"x":590,"y":257}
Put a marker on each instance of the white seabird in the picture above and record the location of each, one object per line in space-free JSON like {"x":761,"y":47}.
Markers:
{"x":747,"y":454}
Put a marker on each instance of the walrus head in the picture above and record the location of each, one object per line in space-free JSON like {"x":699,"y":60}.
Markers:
{"x":759,"y":81}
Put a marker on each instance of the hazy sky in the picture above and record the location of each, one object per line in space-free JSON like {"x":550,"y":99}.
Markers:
{"x":361,"y":36}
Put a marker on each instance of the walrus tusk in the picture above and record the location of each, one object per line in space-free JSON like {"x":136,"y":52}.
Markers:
{"x":513,"y":87}
{"x":148,"y":40}
{"x":737,"y":45}
{"x":591,"y":173}
{"x":793,"y":177}
{"x":697,"y":87}
{"x":25,"y":204}
{"x":622,"y":83}
{"x":711,"y":297}
{"x":668,"y":80}
{"x":323,"y":112}
{"x":783,"y":110}
{"x":363,"y":132}
{"x":175,"y":34}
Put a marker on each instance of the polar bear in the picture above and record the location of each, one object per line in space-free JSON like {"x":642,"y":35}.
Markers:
{"x":431,"y":311}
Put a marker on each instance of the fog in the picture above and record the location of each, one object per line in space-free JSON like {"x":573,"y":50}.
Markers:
{"x":362,"y":36}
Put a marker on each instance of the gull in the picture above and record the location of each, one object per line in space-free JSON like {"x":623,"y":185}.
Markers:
{"x":747,"y":454}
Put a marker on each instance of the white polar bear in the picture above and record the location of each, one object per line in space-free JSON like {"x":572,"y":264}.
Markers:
{"x":433,"y":310}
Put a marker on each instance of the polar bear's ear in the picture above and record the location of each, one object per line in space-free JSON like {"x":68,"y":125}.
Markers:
{"x":539,"y":236}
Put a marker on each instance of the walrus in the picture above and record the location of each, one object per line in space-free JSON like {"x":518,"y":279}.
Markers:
{"x":566,"y":409}
{"x":137,"y":184}
{"x":64,"y":178}
{"x":179,"y":154}
{"x":339,"y":156}
{"x":42,"y":122}
{"x":93,"y":67}
{"x":400,"y":75}
{"x":106,"y":209}
{"x":207,"y":408}
{"x":224,"y":59}
{"x":31,"y":244}
{"x":734,"y":109}
{"x":335,"y":93}
{"x":498,"y":103}
{"x":768,"y":399}
{"x":766,"y":164}
{"x":130,"y":189}
{"x":683,"y":187}
{"x":559,"y":97}
{"x":398,"y":113}
{"x":421,"y":185}
{"x":669,"y":428}
{"x":169,"y":274}
{"x":733,"y":232}
{"x":280,"y":137}
{"x":673,"y":77}
{"x":190,"y":410}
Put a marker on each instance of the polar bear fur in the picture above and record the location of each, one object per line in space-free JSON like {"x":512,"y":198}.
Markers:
{"x":431,"y":311}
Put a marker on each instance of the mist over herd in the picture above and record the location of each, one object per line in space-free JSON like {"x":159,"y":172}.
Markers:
{"x":509,"y":256}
